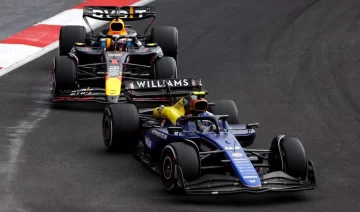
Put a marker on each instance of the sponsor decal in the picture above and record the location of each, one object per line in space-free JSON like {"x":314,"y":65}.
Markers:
{"x":114,"y":68}
{"x":113,"y":74}
{"x":159,"y":134}
{"x":241,"y":162}
{"x":252,"y":181}
{"x":163,"y":83}
{"x":179,"y":105}
{"x":237,"y":154}
{"x":115,"y":55}
{"x":147,"y":141}
{"x":232,"y":148}
{"x":101,"y":13}
{"x":241,"y":159}
{"x":85,"y":91}
{"x":249,"y":177}
{"x":114,"y":71}
{"x":247,"y":169}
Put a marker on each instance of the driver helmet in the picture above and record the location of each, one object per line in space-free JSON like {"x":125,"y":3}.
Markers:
{"x":198,"y":106}
{"x":194,"y":104}
{"x":116,"y":27}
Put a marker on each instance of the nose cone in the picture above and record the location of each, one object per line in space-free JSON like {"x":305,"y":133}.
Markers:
{"x":112,"y":99}
{"x":113,"y":88}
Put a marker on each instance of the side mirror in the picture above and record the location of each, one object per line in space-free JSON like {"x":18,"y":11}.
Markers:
{"x":172,"y":130}
{"x":151,"y":45}
{"x":252,"y":126}
{"x":80,"y":44}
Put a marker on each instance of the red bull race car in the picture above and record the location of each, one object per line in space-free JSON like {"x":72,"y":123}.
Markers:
{"x":93,"y":67}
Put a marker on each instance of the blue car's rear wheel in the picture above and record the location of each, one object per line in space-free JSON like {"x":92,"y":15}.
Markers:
{"x":121,"y":127}
{"x":178,"y":154}
{"x":226,"y":107}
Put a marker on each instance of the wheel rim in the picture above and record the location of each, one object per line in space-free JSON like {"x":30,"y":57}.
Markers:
{"x":167,"y":168}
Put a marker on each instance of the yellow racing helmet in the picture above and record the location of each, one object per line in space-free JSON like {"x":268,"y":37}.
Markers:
{"x":116,"y":27}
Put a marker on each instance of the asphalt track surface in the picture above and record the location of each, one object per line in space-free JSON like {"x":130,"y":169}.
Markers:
{"x":293,"y":66}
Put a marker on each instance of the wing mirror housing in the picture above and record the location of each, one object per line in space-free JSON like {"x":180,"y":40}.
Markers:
{"x":252,"y":126}
{"x":172,"y":130}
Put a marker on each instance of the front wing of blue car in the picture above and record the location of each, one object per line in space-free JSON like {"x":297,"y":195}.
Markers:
{"x":221,"y":184}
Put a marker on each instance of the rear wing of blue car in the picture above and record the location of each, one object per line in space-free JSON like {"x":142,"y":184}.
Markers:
{"x":126,"y":13}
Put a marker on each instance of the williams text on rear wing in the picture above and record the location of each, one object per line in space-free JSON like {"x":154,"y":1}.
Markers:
{"x":161,"y":89}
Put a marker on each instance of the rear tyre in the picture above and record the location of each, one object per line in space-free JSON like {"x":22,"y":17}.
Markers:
{"x":121,"y":127}
{"x":290,"y":157}
{"x":65,"y":73}
{"x":182,"y":155}
{"x":226,"y":107}
{"x":69,"y":35}
{"x":165,"y":68}
{"x":167,"y":38}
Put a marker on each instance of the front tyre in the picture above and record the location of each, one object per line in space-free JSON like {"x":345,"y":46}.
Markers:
{"x":65,"y":73}
{"x":288,"y":155}
{"x":178,"y":154}
{"x":121,"y":127}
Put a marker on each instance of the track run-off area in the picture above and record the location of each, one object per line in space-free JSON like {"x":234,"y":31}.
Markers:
{"x":291,"y":65}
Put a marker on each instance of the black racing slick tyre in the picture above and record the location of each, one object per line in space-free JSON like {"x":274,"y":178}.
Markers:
{"x":183,"y":155}
{"x":69,"y":35}
{"x":65,"y":73}
{"x":121,"y":127}
{"x":226,"y":107}
{"x":167,"y":38}
{"x":288,"y":155}
{"x":165,"y":68}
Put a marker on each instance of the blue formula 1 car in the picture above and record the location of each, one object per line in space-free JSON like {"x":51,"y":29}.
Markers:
{"x":201,"y":148}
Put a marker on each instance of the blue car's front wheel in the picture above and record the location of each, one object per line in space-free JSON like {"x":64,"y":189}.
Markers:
{"x":179,"y":154}
{"x":288,"y":155}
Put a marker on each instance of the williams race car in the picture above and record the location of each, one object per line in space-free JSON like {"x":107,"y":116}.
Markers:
{"x":102,"y":62}
{"x":201,"y":148}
